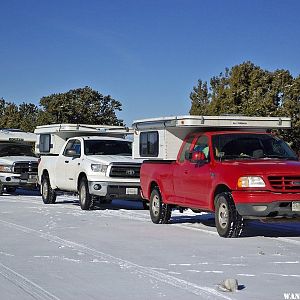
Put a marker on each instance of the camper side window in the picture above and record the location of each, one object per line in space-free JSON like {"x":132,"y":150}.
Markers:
{"x":45,"y":143}
{"x":149,"y":144}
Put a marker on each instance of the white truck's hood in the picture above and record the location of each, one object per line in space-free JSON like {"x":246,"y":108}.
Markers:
{"x":9,"y":160}
{"x":108,"y":159}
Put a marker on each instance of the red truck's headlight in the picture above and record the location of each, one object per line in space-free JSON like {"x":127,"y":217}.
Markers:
{"x":251,"y":182}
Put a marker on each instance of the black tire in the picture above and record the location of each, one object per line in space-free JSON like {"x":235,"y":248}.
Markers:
{"x":85,"y":198}
{"x":228,"y":221}
{"x":160,"y":213}
{"x":11,"y":189}
{"x":48,"y":194}
{"x":145,"y":204}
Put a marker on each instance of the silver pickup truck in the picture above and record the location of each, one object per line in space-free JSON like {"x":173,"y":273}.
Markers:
{"x":18,"y":163}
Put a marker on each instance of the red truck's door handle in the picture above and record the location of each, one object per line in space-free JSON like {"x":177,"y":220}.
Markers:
{"x":186,"y":171}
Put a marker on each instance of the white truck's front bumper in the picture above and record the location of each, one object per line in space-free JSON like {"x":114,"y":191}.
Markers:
{"x":115,"y":190}
{"x":18,"y":180}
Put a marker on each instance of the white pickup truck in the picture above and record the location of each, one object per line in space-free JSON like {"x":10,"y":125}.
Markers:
{"x":98,"y":167}
{"x":18,"y":163}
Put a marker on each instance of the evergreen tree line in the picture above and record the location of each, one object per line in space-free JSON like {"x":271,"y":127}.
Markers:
{"x":83,"y":105}
{"x":248,"y":90}
{"x":245,"y":89}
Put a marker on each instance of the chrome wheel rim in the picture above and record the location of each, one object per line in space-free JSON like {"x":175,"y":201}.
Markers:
{"x":155,"y":205}
{"x":223,"y":215}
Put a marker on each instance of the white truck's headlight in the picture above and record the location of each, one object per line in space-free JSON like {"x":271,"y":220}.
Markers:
{"x":99,"y":168}
{"x":6,"y":168}
{"x":251,"y":182}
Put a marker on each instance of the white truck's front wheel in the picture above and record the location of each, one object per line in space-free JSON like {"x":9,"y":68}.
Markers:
{"x":85,"y":198}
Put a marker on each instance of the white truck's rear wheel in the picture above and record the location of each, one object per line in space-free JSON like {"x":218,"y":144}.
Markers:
{"x":48,"y":194}
{"x":159,"y":212}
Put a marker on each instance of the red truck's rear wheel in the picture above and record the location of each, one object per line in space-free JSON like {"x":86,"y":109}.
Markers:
{"x":228,"y":221}
{"x":159,"y":212}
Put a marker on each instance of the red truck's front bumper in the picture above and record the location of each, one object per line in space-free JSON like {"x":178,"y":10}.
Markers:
{"x":266,"y":204}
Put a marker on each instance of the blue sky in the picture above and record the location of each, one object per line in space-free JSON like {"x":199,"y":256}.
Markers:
{"x":148,"y":54}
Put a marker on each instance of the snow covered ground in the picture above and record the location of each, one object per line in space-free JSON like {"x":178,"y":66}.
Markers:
{"x":115,"y":252}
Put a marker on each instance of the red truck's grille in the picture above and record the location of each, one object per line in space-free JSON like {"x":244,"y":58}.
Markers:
{"x":285,"y":183}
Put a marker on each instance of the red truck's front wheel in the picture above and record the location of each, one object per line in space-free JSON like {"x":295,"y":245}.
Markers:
{"x":159,"y":212}
{"x":228,"y":221}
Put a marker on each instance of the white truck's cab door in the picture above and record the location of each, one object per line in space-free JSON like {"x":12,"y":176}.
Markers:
{"x":68,"y":165}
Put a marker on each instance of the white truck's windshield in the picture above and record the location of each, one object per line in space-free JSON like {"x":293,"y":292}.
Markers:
{"x":14,"y":149}
{"x":250,"y":146}
{"x":107,"y":147}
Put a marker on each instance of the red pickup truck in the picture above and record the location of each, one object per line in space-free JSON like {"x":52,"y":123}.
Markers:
{"x":236,"y":174}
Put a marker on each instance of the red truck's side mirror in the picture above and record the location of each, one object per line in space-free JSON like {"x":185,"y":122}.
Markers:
{"x":198,"y":156}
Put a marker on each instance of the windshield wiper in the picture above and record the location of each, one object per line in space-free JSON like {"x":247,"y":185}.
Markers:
{"x":280,"y":157}
{"x":236,"y":156}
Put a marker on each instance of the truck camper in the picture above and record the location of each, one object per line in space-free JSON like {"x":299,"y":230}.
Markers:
{"x":18,"y":163}
{"x":94,"y":161}
{"x":229,"y":165}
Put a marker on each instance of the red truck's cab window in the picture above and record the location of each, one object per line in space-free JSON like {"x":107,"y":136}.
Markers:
{"x":202,"y":145}
{"x":186,"y":147}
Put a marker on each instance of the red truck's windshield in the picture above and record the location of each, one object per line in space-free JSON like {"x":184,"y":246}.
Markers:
{"x":250,"y":146}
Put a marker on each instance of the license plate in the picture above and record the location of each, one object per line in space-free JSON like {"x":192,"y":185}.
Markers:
{"x":296,"y":206}
{"x":131,"y":191}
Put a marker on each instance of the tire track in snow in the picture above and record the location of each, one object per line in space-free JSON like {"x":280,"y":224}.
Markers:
{"x":205,"y":292}
{"x":31,"y":288}
{"x":125,"y":214}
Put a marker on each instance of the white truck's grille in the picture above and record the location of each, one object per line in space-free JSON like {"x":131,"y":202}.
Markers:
{"x":127,"y":171}
{"x":29,"y":167}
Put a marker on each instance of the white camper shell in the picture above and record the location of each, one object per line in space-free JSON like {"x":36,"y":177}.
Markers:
{"x":51,"y":138}
{"x":169,"y":132}
{"x":18,"y":163}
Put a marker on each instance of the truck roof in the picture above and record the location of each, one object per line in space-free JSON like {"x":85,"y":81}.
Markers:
{"x":228,"y":121}
{"x":16,"y":135}
{"x":82,"y":128}
{"x":104,"y":138}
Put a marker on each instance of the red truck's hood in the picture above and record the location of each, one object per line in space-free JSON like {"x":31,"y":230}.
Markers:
{"x":265,"y":167}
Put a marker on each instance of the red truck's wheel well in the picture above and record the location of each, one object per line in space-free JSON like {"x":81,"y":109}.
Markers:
{"x":152,"y":186}
{"x":221,"y":188}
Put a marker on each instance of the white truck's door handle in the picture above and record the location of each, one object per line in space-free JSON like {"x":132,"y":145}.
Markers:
{"x":66,"y":161}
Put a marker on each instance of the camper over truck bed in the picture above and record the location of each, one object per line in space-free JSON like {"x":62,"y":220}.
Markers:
{"x":228,"y":165}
